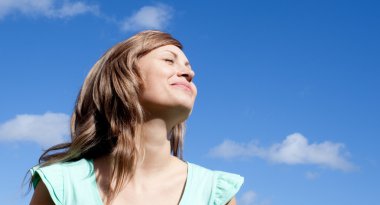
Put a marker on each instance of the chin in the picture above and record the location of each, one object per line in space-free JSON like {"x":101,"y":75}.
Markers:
{"x":183,"y":112}
{"x":185,"y":103}
{"x":186,"y":106}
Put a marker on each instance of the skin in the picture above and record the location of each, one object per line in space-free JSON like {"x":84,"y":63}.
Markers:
{"x":160,"y":178}
{"x":160,"y":69}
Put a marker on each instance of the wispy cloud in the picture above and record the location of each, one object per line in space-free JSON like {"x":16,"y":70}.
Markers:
{"x":148,"y":17}
{"x":311,"y":175}
{"x":248,"y":198}
{"x":45,"y":8}
{"x":47,"y":129}
{"x":294,"y":149}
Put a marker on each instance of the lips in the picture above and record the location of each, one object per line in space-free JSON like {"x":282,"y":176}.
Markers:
{"x":185,"y":86}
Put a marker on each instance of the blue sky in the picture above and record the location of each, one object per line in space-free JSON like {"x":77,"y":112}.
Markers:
{"x":288,"y":91}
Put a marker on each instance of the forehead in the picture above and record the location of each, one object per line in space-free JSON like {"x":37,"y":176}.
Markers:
{"x":171,"y":49}
{"x":168,"y":50}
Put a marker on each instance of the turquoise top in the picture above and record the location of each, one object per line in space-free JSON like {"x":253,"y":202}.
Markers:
{"x":75,"y":183}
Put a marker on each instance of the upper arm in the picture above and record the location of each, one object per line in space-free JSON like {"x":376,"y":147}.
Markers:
{"x":41,"y":195}
{"x":232,"y":201}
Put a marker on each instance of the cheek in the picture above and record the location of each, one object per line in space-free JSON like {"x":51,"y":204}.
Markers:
{"x":155,"y":88}
{"x":155,"y":81}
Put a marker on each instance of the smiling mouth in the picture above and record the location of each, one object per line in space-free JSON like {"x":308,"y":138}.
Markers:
{"x":184,"y":87}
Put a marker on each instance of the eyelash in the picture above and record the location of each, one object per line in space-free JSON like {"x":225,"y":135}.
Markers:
{"x":169,"y":60}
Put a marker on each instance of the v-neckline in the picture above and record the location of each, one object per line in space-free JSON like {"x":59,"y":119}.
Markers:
{"x":183,"y":195}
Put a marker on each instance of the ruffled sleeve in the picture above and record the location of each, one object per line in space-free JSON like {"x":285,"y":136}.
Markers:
{"x":225,"y":186}
{"x":52,"y":177}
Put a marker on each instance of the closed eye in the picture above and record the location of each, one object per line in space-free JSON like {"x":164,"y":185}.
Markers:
{"x":169,"y":61}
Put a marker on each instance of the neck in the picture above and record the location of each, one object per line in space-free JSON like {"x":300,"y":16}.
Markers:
{"x":156,"y":142}
{"x":157,"y":159}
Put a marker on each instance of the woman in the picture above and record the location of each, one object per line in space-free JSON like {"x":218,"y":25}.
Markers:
{"x":127,"y":132}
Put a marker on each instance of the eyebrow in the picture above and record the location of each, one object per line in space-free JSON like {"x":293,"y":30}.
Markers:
{"x":176,"y":56}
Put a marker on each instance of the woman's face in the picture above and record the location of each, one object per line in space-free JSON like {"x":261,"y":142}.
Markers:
{"x":168,"y":86}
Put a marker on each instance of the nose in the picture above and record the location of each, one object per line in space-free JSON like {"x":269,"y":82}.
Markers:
{"x":187,"y":72}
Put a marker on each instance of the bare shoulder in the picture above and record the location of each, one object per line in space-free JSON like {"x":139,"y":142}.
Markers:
{"x":41,"y":195}
{"x":232,"y":202}
{"x":179,"y":164}
{"x":177,"y":171}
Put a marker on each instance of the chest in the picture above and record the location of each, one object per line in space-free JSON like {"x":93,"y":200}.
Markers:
{"x":160,"y":197}
{"x":167,"y":192}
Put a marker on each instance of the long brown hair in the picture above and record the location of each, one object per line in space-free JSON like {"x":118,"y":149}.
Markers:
{"x":107,"y":117}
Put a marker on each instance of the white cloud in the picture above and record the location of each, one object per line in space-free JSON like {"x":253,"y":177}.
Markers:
{"x":295,"y":149}
{"x":46,"y":8}
{"x":230,"y":149}
{"x":148,"y":17}
{"x":47,"y":129}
